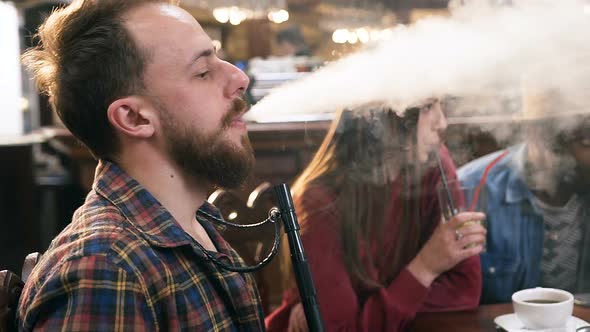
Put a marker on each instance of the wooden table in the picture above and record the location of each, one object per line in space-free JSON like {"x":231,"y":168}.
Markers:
{"x":481,"y":319}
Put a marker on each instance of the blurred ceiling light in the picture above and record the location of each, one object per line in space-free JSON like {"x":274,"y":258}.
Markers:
{"x":587,"y":9}
{"x":375,"y":34}
{"x":234,"y":19}
{"x":237,"y":15}
{"x":352,"y":37}
{"x":216,"y":44}
{"x":363,"y":35}
{"x":221,"y":14}
{"x":386,"y":33}
{"x":340,"y":36}
{"x":237,"y":11}
{"x":278,"y":16}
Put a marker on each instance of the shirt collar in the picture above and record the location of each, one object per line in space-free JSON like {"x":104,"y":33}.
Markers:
{"x":516,"y":188}
{"x":142,"y":209}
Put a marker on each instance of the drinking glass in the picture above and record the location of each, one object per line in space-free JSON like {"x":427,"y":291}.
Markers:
{"x":455,"y":197}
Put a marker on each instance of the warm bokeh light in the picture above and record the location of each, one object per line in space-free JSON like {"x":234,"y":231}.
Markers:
{"x":216,"y":44}
{"x":363,"y":35}
{"x":221,"y":14}
{"x":278,"y":16}
{"x":238,"y":14}
{"x":340,"y":36}
{"x":352,"y":37}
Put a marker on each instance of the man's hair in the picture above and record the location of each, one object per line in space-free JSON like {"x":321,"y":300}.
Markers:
{"x":291,"y":35}
{"x":85,"y":60}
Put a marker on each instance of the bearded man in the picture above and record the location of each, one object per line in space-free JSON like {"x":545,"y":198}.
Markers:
{"x":138,"y":82}
{"x":537,"y":193}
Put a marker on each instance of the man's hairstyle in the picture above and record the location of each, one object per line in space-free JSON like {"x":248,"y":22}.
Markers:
{"x":291,"y":35}
{"x":85,"y":60}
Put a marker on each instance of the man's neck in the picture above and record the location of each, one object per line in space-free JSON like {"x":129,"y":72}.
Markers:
{"x":178,"y":193}
{"x":557,"y":198}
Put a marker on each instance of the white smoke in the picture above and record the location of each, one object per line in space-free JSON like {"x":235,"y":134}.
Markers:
{"x":480,"y":50}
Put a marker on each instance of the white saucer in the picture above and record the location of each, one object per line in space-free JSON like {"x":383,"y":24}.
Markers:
{"x":511,"y":323}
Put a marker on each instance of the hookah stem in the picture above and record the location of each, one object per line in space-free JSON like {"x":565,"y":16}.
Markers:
{"x":303,"y":277}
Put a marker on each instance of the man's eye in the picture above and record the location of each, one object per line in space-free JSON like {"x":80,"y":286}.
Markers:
{"x":203,"y":75}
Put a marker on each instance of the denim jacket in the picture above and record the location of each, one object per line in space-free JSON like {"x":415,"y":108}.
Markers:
{"x":514,"y":249}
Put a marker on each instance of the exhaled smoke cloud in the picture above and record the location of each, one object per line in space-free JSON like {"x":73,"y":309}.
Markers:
{"x":480,"y":51}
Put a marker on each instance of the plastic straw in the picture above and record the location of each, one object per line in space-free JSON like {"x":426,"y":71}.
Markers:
{"x":484,"y":177}
{"x":443,"y":178}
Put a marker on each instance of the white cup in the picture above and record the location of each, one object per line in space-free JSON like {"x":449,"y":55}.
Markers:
{"x":535,"y":315}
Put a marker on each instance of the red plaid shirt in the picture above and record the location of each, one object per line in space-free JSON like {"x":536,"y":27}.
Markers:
{"x":124,"y":263}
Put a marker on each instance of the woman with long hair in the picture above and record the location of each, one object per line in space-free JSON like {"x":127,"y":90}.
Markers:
{"x":372,"y":227}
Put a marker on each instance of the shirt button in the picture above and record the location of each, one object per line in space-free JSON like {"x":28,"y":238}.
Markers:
{"x":492,"y":270}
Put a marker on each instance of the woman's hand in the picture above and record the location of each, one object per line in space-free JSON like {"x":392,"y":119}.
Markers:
{"x":297,"y":321}
{"x":452,"y":242}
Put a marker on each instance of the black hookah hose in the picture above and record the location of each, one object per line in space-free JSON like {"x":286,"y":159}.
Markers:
{"x":273,"y":216}
{"x":286,"y":212}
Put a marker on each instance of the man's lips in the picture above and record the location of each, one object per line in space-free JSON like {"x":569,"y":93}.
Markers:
{"x":234,"y":118}
{"x":238,"y":121}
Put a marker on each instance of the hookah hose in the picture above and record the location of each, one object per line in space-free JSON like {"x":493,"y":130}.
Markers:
{"x":286,"y":213}
{"x":273,"y":216}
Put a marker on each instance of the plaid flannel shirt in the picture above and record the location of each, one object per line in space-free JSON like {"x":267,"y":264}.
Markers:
{"x":124,"y":263}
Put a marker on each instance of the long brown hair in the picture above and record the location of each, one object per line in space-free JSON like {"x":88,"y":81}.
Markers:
{"x":365,"y":150}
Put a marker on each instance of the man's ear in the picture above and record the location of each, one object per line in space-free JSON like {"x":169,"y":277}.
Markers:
{"x":132,"y":117}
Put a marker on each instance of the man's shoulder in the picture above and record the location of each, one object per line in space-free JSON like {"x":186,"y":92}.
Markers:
{"x":97,"y":246}
{"x":96,"y":224}
{"x":472,"y":172}
{"x":97,"y":229}
{"x":81,"y":271}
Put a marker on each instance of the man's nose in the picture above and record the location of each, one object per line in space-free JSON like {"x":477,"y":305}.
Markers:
{"x":237,"y":82}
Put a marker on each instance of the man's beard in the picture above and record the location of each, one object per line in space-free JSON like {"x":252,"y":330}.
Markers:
{"x":551,"y":173}
{"x":209,"y":157}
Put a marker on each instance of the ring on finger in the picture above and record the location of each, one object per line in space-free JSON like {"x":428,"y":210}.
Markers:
{"x":458,"y":235}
